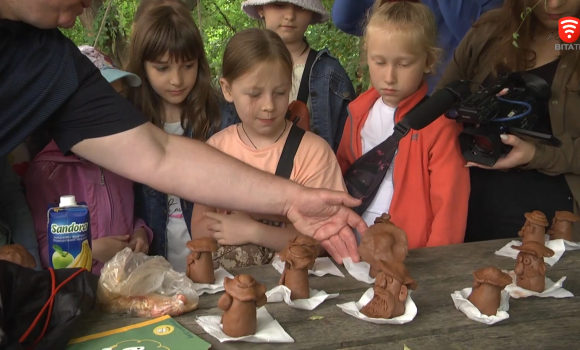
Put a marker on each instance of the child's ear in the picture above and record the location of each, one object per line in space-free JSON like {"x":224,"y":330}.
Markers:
{"x":226,"y":91}
{"x":260,"y":10}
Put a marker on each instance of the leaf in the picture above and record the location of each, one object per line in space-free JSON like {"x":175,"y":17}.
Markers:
{"x":514,"y":43}
{"x":522,"y":16}
{"x":314,"y":318}
{"x":528,"y":10}
{"x":405,"y":347}
{"x":515,"y":35}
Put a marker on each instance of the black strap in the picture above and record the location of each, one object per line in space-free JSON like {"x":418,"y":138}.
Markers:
{"x":286,"y":162}
{"x":304,"y":90}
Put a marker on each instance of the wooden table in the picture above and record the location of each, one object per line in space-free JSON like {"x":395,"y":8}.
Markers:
{"x":534,"y":323}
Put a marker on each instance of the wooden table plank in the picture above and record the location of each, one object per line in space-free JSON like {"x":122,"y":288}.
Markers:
{"x":438,"y":325}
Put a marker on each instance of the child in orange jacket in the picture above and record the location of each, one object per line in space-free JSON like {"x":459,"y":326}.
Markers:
{"x":426,"y":188}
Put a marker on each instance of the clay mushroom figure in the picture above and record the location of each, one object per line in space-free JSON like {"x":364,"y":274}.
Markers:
{"x":17,"y":254}
{"x":311,"y":243}
{"x":562,"y":225}
{"x":390,"y":291}
{"x":530,"y":267}
{"x":534,"y":228}
{"x":200,"y":262}
{"x":239,"y":302}
{"x":383,"y":241}
{"x":297,"y":259}
{"x":487,"y":287}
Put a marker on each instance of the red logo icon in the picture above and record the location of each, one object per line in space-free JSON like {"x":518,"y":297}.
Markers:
{"x":569,"y":29}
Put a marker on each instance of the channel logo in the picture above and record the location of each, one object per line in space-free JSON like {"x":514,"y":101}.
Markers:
{"x":569,"y":29}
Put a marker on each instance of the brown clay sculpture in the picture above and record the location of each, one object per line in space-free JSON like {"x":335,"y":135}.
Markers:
{"x":309,"y":242}
{"x":487,"y":287}
{"x":530,"y":267}
{"x":534,"y":228}
{"x":562,"y":225}
{"x":199,"y":262}
{"x":239,"y":302}
{"x":17,"y":254}
{"x":390,"y":292}
{"x":297,"y":258}
{"x":383,"y":241}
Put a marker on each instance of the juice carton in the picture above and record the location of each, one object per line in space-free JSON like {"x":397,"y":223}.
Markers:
{"x":69,"y":235}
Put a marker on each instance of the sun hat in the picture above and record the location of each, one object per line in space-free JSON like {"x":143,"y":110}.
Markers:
{"x":107,"y":67}
{"x":250,"y":7}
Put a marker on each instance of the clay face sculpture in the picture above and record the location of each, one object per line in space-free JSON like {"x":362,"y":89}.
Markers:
{"x":241,"y":298}
{"x":199,"y":261}
{"x":487,"y":287}
{"x":297,"y":258}
{"x":534,"y":228}
{"x":17,"y":254}
{"x":383,"y":241}
{"x":309,"y":242}
{"x":562,"y":225}
{"x":530,"y":268}
{"x":390,"y":291}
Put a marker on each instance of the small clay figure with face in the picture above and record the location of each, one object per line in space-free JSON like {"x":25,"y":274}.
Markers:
{"x":390,"y":292}
{"x":297,"y":258}
{"x":383,"y":241}
{"x":311,"y":243}
{"x":487,"y":287}
{"x":534,"y":228}
{"x":562,"y":225}
{"x":199,"y":261}
{"x":17,"y":254}
{"x":530,"y":268}
{"x":241,"y":298}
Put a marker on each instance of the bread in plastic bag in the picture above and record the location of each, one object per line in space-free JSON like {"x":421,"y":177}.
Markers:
{"x":144,"y":286}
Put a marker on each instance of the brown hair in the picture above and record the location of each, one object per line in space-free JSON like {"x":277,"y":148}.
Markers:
{"x":504,"y":22}
{"x":412,"y":18}
{"x":166,"y":26}
{"x":254,"y":46}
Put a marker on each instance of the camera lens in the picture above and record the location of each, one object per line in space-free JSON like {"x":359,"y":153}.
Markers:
{"x":483,"y":144}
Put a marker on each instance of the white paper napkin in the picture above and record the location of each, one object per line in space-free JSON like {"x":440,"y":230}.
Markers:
{"x":472,"y":312}
{"x":282,"y":293}
{"x":557,"y":246}
{"x":268,"y":330}
{"x":353,"y":308}
{"x":552,"y":290}
{"x":360,"y":270}
{"x":218,"y":286}
{"x":322,"y":266}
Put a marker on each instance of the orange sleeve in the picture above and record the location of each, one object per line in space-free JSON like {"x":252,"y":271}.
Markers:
{"x":343,"y":152}
{"x":450,"y":186}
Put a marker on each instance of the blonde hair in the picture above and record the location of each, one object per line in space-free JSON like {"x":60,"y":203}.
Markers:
{"x":411,"y":18}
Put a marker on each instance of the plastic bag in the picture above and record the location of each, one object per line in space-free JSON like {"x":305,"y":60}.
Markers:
{"x":144,"y":286}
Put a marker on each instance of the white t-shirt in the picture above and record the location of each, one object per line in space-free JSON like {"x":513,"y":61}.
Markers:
{"x":177,"y":233}
{"x":379,"y":125}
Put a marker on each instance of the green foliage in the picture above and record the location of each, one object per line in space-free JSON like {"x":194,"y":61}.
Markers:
{"x":220,"y":19}
{"x":523,"y":16}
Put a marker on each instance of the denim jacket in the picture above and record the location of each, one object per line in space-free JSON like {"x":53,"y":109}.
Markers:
{"x":330,"y":93}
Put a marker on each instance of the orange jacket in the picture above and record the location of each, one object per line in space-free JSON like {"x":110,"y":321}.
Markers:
{"x":431,"y":182}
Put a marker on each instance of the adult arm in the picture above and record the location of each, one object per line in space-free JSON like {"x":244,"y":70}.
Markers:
{"x":557,"y":160}
{"x":349,"y":15}
{"x":459,"y":16}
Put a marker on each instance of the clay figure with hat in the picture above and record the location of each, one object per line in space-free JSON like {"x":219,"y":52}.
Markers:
{"x":534,"y":228}
{"x":487,"y":286}
{"x":311,"y":243}
{"x":530,"y":267}
{"x":562,"y":225}
{"x":383,"y":241}
{"x":17,"y":254}
{"x":243,"y":294}
{"x":391,"y":289}
{"x":296,"y":259}
{"x":199,"y":262}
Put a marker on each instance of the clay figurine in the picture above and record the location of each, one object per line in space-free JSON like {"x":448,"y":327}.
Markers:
{"x":530,"y":268}
{"x":309,"y":242}
{"x":383,"y":241}
{"x":241,"y":298}
{"x":390,"y":291}
{"x":199,"y":261}
{"x":487,"y":287}
{"x":562,"y":225}
{"x":17,"y":254}
{"x":534,"y":228}
{"x":297,"y":258}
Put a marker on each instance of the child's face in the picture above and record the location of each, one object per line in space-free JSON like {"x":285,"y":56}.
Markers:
{"x":171,"y":80}
{"x":288,"y":20}
{"x":396,"y":66}
{"x":261,"y":97}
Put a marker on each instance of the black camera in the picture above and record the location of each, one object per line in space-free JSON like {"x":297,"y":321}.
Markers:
{"x":486,"y":115}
